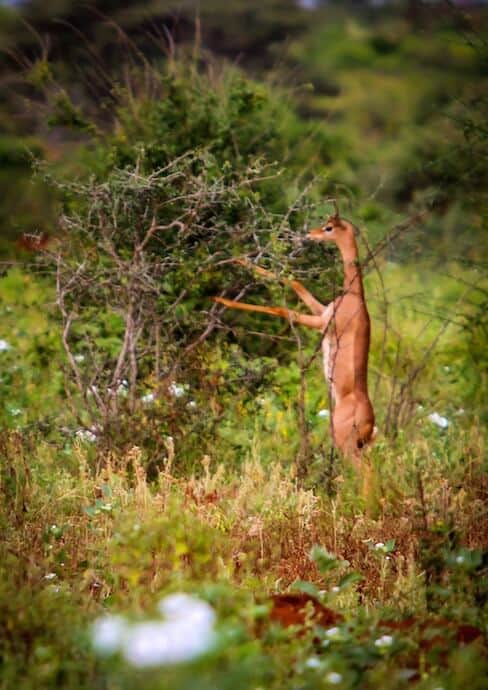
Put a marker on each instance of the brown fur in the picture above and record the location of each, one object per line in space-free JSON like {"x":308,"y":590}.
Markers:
{"x":345,"y":326}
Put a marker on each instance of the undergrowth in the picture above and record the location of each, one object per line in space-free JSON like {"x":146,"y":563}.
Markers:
{"x":86,"y":533}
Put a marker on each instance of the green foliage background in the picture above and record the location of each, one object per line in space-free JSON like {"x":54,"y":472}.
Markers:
{"x":232,"y":128}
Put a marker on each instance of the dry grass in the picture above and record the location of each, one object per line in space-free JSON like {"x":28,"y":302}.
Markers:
{"x":257,"y":523}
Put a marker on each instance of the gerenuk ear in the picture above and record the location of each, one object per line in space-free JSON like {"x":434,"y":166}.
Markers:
{"x":336,"y":210}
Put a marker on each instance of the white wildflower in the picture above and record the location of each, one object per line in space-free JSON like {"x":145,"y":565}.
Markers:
{"x":15,"y":411}
{"x":86,"y":435}
{"x":384,"y":641}
{"x":438,"y":420}
{"x":177,"y":389}
{"x":148,"y":399}
{"x":323,"y":413}
{"x":187,"y":633}
{"x":4,"y":346}
{"x":50,"y":576}
{"x":379,"y":546}
{"x":333,"y":678}
{"x":183,"y":607}
{"x":335,"y":589}
{"x":191,"y":405}
{"x":79,"y":358}
{"x":108,"y":634}
{"x":155,"y":643}
{"x":460,"y":559}
{"x":332,"y":632}
{"x":123,"y":388}
{"x":313,"y":662}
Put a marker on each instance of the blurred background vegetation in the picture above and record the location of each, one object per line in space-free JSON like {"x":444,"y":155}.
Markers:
{"x":229,"y":126}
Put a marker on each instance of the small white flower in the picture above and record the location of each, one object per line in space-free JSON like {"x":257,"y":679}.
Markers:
{"x":86,"y":435}
{"x":313,"y":662}
{"x":460,"y":559}
{"x":323,"y":413}
{"x":177,"y":389}
{"x":15,"y":411}
{"x":185,"y":635}
{"x":333,"y":678}
{"x":183,"y":607}
{"x":191,"y":405}
{"x":155,"y":643}
{"x":335,"y":589}
{"x":79,"y":358}
{"x":379,"y":546}
{"x":108,"y":633}
{"x":438,"y":420}
{"x":332,"y":632}
{"x":50,"y":576}
{"x":384,"y":641}
{"x":148,"y":399}
{"x":4,"y":346}
{"x":122,"y":388}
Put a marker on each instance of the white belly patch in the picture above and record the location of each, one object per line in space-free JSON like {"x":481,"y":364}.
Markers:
{"x":328,"y":364}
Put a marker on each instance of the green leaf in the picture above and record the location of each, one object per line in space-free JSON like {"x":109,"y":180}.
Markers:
{"x":350,"y":579}
{"x":306,"y":588}
{"x":325,"y":560}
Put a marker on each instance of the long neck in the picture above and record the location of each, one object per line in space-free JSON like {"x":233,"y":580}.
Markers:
{"x":353,"y":282}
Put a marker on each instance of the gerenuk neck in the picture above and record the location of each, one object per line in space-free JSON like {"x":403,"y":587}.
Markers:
{"x":353,"y":281}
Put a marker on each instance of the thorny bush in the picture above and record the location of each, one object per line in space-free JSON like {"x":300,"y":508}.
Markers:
{"x":138,"y":260}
